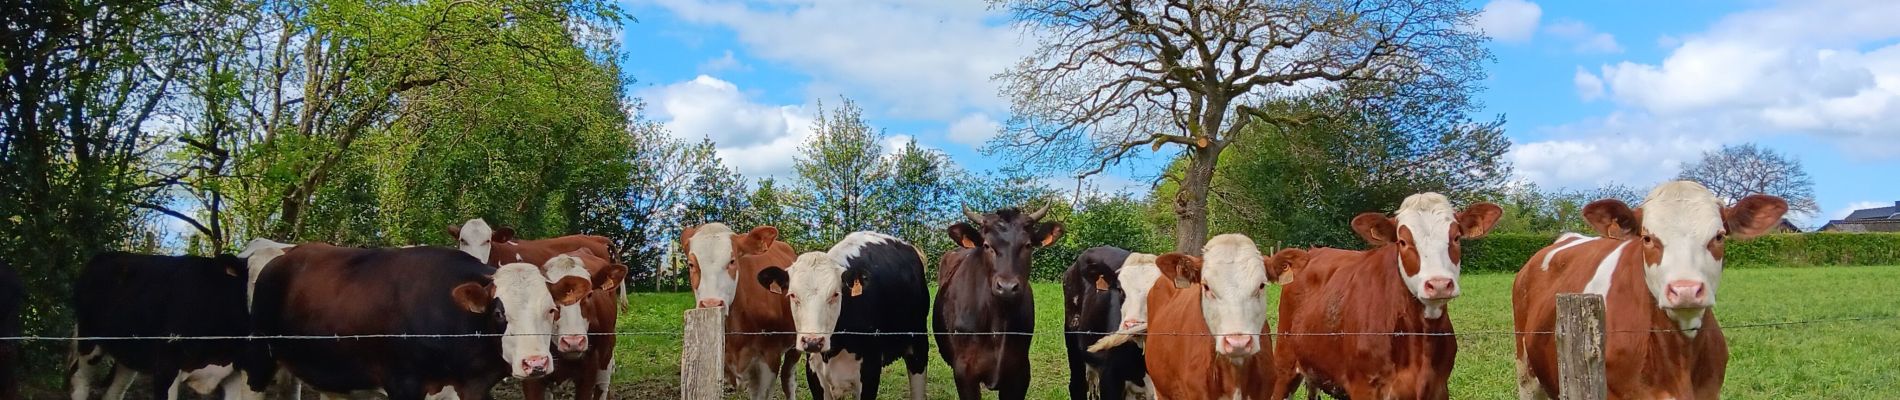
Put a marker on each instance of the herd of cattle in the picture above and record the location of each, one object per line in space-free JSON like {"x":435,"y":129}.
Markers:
{"x":437,"y":322}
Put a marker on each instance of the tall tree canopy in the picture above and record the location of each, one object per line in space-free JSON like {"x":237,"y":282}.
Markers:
{"x":1111,"y":76}
{"x":1736,"y":171}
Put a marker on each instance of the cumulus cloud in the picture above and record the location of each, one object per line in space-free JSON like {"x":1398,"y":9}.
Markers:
{"x":924,"y":59}
{"x":1589,"y":87}
{"x":1509,"y":20}
{"x":974,"y":130}
{"x":1631,"y":149}
{"x":1584,"y":38}
{"x":756,"y":139}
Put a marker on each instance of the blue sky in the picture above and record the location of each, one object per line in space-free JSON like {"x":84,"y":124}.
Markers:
{"x":1594,"y":92}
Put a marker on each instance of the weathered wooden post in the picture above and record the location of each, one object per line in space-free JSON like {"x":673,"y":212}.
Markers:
{"x":703,"y":354}
{"x":1580,"y":331}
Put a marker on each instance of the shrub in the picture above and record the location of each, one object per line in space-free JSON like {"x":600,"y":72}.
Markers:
{"x":1814,"y":249}
{"x":1502,"y":252}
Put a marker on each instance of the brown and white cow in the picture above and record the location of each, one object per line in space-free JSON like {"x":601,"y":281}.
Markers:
{"x":984,"y":310}
{"x":1205,"y":318}
{"x":1657,"y":268}
{"x":717,"y":257}
{"x":477,"y":239}
{"x":573,"y":327}
{"x":592,"y":370}
{"x":1401,"y":285}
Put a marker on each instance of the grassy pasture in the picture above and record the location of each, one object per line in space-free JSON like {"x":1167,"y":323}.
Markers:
{"x":1811,"y":361}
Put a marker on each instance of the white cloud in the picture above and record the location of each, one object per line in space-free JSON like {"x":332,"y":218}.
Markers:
{"x":1509,"y":20}
{"x":756,"y":139}
{"x":1589,"y":86}
{"x":1630,"y":149}
{"x":722,"y":64}
{"x":924,"y":59}
{"x":1586,"y":39}
{"x":974,"y":130}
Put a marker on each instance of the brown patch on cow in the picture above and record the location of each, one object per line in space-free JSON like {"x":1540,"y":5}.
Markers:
{"x":755,"y":242}
{"x":1716,"y":247}
{"x":1652,"y":250}
{"x":474,"y":297}
{"x":1375,"y":228}
{"x":1182,"y":269}
{"x":1408,"y":251}
{"x":1477,"y":219}
{"x":1454,"y":247}
{"x":1285,"y":263}
{"x":1612,"y":218}
{"x":1754,"y":215}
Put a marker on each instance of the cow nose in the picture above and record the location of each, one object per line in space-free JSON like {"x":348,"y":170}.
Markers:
{"x":1237,"y":343}
{"x":573,"y":343}
{"x":811,"y":343}
{"x":710,"y":303}
{"x":536,"y":365}
{"x":1130,"y":323}
{"x":1441,"y":288}
{"x":1007,"y":288}
{"x":1687,"y":294}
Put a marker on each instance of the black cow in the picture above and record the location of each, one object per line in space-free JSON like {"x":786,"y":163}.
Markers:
{"x":985,"y":291}
{"x":125,"y":294}
{"x":12,"y":293}
{"x":1092,"y":306}
{"x":322,"y":290}
{"x":870,"y":282}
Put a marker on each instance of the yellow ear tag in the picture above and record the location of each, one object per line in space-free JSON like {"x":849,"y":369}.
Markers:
{"x":1100,"y":283}
{"x":857,"y":288}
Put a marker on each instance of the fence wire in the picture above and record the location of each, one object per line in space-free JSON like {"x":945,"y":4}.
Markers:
{"x":1725,"y":327}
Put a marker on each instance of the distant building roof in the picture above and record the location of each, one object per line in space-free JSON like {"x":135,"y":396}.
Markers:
{"x":1869,"y":225}
{"x":1876,"y":213}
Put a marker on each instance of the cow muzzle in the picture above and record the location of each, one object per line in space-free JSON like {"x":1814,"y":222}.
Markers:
{"x":711,"y":303}
{"x":1440,"y":288}
{"x":535,"y":366}
{"x":1131,"y":323}
{"x":1007,"y":287}
{"x":1686,"y":294}
{"x":571,"y":346}
{"x":811,"y":343}
{"x":1237,"y":346}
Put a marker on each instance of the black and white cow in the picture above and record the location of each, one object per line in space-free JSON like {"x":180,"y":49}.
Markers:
{"x":869,"y":282}
{"x":126,"y":294}
{"x":12,"y":293}
{"x":1092,"y":307}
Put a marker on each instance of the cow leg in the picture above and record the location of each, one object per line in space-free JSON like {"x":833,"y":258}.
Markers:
{"x":603,"y":382}
{"x":1081,"y":375}
{"x":760,"y":379}
{"x":1109,"y":383}
{"x":165,"y":383}
{"x":1014,"y":382}
{"x":584,"y":385}
{"x":121,"y":380}
{"x":968,"y":388}
{"x":1527,"y":385}
{"x":1285,"y":381}
{"x":787,"y":374}
{"x":870,"y":368}
{"x":84,"y":367}
{"x":534,"y":389}
{"x":915,"y":363}
{"x":811,"y":378}
{"x":236,"y":387}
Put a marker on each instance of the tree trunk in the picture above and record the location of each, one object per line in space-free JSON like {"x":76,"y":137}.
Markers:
{"x":1190,"y":203}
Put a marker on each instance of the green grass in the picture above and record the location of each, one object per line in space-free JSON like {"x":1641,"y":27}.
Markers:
{"x":1810,"y":361}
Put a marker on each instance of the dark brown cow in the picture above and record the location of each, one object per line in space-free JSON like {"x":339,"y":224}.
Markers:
{"x":1402,"y":285}
{"x":1209,"y":314}
{"x":717,"y":257}
{"x":592,"y":371}
{"x":1657,"y":268}
{"x":985,"y":292}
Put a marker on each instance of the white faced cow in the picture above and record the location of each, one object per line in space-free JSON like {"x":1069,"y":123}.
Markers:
{"x":867,"y":283}
{"x":477,"y":239}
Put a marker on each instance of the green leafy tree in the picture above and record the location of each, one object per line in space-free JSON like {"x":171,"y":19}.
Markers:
{"x":843,"y":171}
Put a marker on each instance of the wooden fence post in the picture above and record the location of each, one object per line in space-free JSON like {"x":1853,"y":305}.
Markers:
{"x":703,"y":355}
{"x":1580,"y":331}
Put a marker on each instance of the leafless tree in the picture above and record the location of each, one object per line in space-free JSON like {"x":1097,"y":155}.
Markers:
{"x":1741,"y":170}
{"x":1111,"y":76}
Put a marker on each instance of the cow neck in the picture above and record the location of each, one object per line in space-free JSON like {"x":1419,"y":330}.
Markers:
{"x":1378,"y":286}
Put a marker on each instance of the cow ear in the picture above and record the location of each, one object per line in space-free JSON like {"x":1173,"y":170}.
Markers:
{"x":1754,"y":215}
{"x":609,"y":278}
{"x":1046,"y":233}
{"x":473,"y":297}
{"x":1476,"y":220}
{"x":1612,"y":218}
{"x":1183,"y":269}
{"x":1375,"y":228}
{"x":1284,"y":264}
{"x":757,"y":241}
{"x":569,"y":290}
{"x":455,"y":232}
{"x":854,"y":282}
{"x":965,"y":235}
{"x":775,"y":280}
{"x":504,"y":235}
{"x":1101,"y":276}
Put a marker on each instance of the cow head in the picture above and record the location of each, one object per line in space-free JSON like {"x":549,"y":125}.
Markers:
{"x":258,"y":254}
{"x":1233,"y":277}
{"x":476,"y":238}
{"x":572,"y":324}
{"x":1682,"y":228}
{"x":1427,"y":231}
{"x":817,"y":286}
{"x":713,"y":252}
{"x":1005,"y":241}
{"x":520,"y":299}
{"x":1134,"y":278}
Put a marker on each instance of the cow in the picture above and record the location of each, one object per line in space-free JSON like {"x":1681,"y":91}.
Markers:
{"x":572,"y":327}
{"x":869,"y":282}
{"x":477,"y":239}
{"x":984,"y":311}
{"x":1091,"y":308}
{"x":1402,"y":285}
{"x":592,"y":370}
{"x":1657,"y":267}
{"x":12,"y":293}
{"x":484,"y":323}
{"x":1205,"y":318}
{"x":120,"y":294}
{"x":717,"y":257}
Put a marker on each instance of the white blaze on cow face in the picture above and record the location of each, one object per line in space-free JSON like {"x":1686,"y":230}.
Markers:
{"x":1682,"y":219}
{"x":572,"y":325}
{"x":257,"y":254}
{"x":1425,"y":225}
{"x":529,"y":309}
{"x":1234,"y":277}
{"x":816,"y":291}
{"x":476,"y":238}
{"x":710,"y":251}
{"x":1137,"y":276}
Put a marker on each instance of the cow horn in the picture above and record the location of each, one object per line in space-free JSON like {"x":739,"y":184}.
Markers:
{"x":972,"y":215}
{"x":1037,"y":216}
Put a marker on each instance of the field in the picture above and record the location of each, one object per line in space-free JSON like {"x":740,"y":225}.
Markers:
{"x":1813,"y":361}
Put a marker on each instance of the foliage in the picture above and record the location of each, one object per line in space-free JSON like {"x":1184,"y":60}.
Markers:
{"x":1506,"y":253}
{"x":1100,"y":220}
{"x":1108,"y":77}
{"x":1530,"y":210}
{"x":1737,"y":171}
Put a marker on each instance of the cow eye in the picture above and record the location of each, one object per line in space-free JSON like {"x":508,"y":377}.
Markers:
{"x":555,"y":312}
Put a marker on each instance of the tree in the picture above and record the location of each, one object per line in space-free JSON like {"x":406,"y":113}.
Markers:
{"x":1737,"y":171}
{"x":842,"y":169}
{"x":919,"y":198}
{"x":1110,"y":76}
